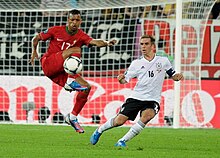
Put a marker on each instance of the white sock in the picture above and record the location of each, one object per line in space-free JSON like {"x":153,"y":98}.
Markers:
{"x":72,"y":117}
{"x":69,"y":80}
{"x":134,"y":130}
{"x":106,"y":126}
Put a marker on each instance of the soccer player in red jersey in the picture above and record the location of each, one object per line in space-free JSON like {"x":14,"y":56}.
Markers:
{"x":66,"y":41}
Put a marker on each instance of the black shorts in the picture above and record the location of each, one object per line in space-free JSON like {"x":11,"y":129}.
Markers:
{"x":131,"y":107}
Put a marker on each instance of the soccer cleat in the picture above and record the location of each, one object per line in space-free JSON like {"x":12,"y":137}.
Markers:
{"x":76,"y":86}
{"x":95,"y":137}
{"x":67,"y":120}
{"x":74,"y":124}
{"x":120,"y":143}
{"x":68,"y":88}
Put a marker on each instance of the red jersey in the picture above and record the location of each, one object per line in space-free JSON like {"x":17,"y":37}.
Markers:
{"x":61,"y":40}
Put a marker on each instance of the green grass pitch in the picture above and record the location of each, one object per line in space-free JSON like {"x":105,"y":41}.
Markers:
{"x":41,"y":141}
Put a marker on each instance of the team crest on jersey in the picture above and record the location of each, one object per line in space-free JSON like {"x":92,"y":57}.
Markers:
{"x":159,"y":67}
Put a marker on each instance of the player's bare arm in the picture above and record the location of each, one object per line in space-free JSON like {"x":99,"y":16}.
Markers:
{"x":34,"y":54}
{"x":121,"y":79}
{"x":102,"y":43}
{"x":177,"y":77}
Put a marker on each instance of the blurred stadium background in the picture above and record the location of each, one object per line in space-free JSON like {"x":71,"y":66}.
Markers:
{"x":27,"y":97}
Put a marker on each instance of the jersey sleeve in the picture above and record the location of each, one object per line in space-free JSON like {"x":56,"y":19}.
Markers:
{"x":169,"y":68}
{"x":47,"y":34}
{"x":131,"y":72}
{"x":86,"y":39}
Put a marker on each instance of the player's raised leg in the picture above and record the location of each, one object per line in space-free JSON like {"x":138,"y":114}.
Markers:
{"x":81,"y":100}
{"x":71,"y":84}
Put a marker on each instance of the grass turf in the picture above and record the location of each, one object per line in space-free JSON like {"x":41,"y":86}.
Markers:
{"x":29,"y":141}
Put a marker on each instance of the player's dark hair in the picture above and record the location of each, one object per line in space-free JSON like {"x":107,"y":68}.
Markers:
{"x":74,"y":12}
{"x":152,"y":39}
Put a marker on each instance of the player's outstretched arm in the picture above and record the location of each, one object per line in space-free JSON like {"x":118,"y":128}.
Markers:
{"x":121,"y":79}
{"x":34,"y":54}
{"x":102,"y":43}
{"x":177,"y":77}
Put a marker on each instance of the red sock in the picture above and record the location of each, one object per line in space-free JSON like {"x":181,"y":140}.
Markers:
{"x":81,"y":100}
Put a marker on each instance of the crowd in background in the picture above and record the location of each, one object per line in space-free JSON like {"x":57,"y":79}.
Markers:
{"x":155,"y":11}
{"x":191,"y":10}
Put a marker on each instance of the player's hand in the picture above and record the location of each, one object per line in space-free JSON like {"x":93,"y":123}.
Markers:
{"x":112,"y":42}
{"x":121,"y":79}
{"x":178,"y":77}
{"x":33,"y":56}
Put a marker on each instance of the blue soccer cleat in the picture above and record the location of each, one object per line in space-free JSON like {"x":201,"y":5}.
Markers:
{"x":74,"y":124}
{"x":95,"y":137}
{"x":68,"y":88}
{"x":120,"y":143}
{"x":76,"y":86}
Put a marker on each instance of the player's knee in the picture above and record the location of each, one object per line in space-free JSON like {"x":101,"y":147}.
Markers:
{"x":146,"y":119}
{"x":74,"y":51}
{"x":147,"y":115}
{"x":118,"y":122}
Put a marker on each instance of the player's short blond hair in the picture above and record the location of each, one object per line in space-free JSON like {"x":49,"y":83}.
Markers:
{"x":152,"y":39}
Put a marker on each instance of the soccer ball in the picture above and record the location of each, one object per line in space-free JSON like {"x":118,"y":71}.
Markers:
{"x":72,"y":65}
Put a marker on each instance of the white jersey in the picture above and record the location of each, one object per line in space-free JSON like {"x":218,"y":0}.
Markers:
{"x":150,"y":76}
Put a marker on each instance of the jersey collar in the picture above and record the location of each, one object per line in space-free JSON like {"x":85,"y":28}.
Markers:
{"x":151,"y":59}
{"x":70,"y":33}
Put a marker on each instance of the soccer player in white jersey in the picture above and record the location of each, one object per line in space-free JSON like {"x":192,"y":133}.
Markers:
{"x":150,"y":73}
